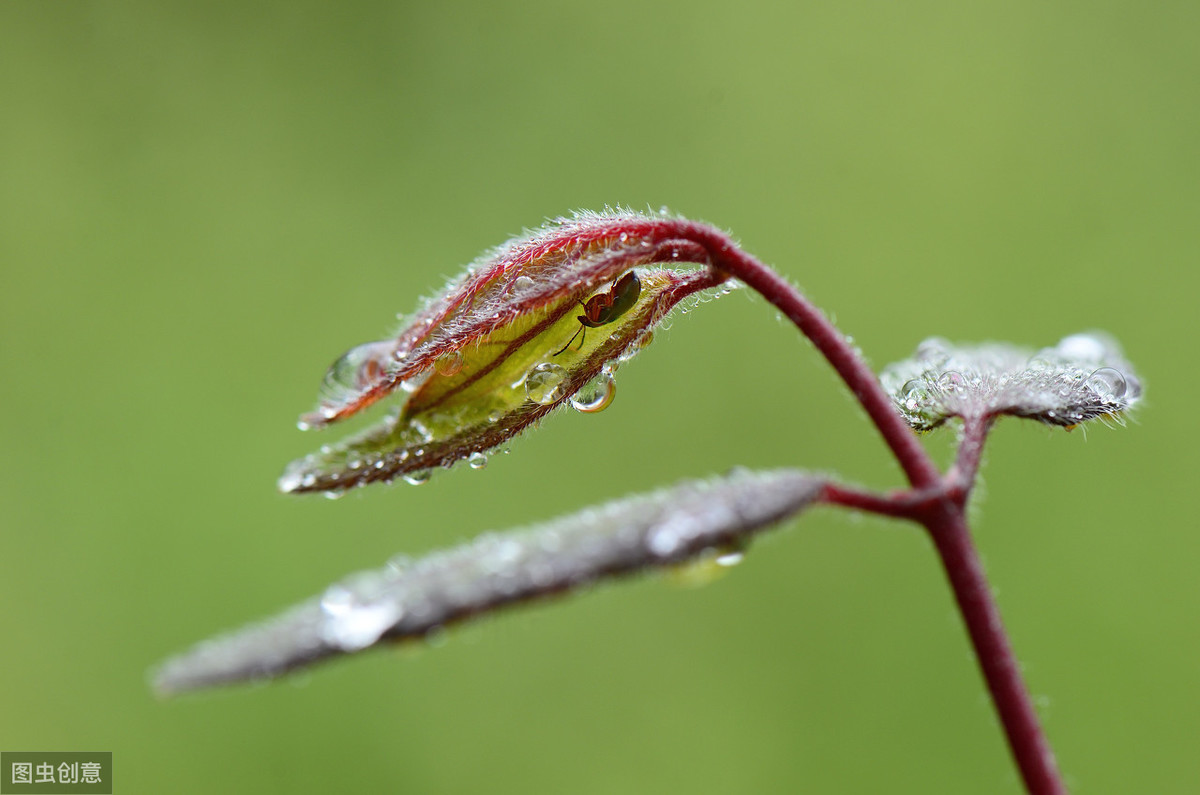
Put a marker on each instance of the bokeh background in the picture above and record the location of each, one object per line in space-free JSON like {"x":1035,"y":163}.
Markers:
{"x":202,"y":205}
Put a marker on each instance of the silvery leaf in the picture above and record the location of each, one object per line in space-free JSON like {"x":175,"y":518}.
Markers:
{"x":1083,"y":377}
{"x":411,"y":599}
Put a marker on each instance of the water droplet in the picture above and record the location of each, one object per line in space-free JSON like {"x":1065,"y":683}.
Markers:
{"x":436,"y":637}
{"x":914,"y":394}
{"x":334,"y":495}
{"x":423,"y":431}
{"x":1108,"y":383}
{"x":449,"y":364}
{"x":289,"y":481}
{"x":417,"y":476}
{"x":596,"y":395}
{"x":357,"y":368}
{"x":730,"y":555}
{"x":477,"y":460}
{"x":670,"y":537}
{"x":415,"y":382}
{"x":523,"y":283}
{"x":544,"y":384}
{"x":951,"y":381}
{"x":934,"y":351}
{"x":696,"y":572}
{"x":358,"y":611}
{"x":639,"y":342}
{"x":1082,"y":348}
{"x":304,"y":425}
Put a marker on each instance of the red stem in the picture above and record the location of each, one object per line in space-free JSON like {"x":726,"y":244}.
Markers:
{"x":938,"y":502}
{"x":961,"y":477}
{"x":1029,"y":747}
{"x":727,"y":257}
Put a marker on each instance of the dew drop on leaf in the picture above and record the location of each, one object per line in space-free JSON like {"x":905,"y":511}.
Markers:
{"x":477,"y":460}
{"x":642,"y":340}
{"x":731,"y":558}
{"x":358,"y":367}
{"x":355,"y":615}
{"x":418,"y":476}
{"x":1108,"y":383}
{"x":423,"y":432}
{"x":449,"y":364}
{"x":1082,"y":347}
{"x":596,"y":395}
{"x":952,"y":381}
{"x":411,"y":385}
{"x":914,"y":393}
{"x":731,"y":554}
{"x":934,"y":351}
{"x":544,"y":385}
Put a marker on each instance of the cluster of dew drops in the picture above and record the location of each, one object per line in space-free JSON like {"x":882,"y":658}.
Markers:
{"x":1108,"y":384}
{"x":545,"y":384}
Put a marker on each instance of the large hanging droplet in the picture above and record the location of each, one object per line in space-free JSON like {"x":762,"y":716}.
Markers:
{"x":596,"y":395}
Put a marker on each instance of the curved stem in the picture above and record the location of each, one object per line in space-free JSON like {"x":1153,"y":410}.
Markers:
{"x":937,"y":502}
{"x":727,"y":257}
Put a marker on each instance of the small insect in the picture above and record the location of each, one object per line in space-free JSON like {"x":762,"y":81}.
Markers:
{"x":603,"y":308}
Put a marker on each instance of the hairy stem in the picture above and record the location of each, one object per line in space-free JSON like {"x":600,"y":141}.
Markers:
{"x":897,"y":506}
{"x":938,"y":502}
{"x":1030,"y":750}
{"x":970,"y":453}
{"x":727,"y":257}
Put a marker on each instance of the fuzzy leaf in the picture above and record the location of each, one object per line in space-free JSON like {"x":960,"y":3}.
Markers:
{"x":527,"y":327}
{"x":412,"y":599}
{"x":1084,"y":377}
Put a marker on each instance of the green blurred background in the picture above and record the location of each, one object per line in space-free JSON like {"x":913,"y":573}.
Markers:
{"x":202,"y":205}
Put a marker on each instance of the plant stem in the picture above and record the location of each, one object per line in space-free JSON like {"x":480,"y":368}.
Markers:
{"x":970,"y":453}
{"x":1030,"y":750}
{"x":936,"y":501}
{"x":727,"y":257}
{"x":898,"y":506}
